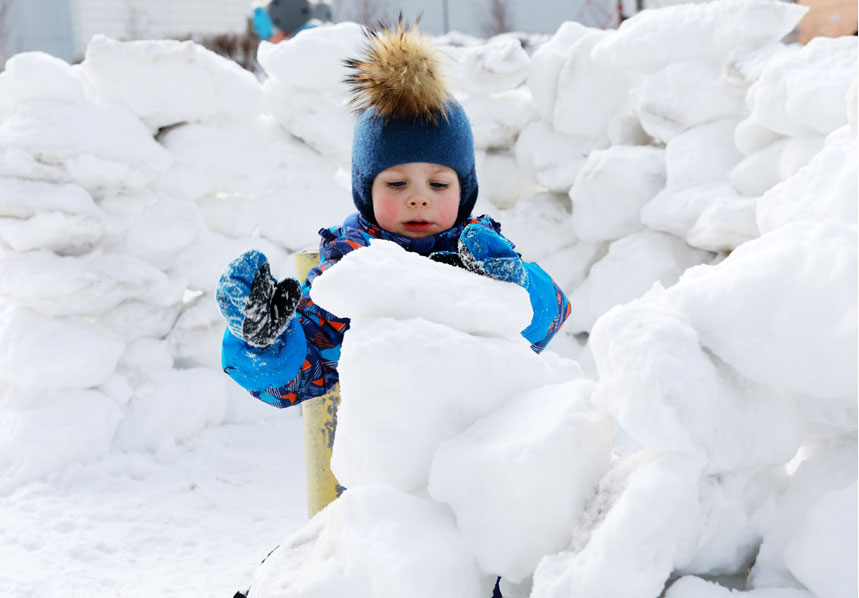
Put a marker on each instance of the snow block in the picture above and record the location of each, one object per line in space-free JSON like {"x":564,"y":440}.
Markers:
{"x":793,"y":294}
{"x":373,"y":542}
{"x":518,"y":479}
{"x":445,"y":379}
{"x":384,"y":280}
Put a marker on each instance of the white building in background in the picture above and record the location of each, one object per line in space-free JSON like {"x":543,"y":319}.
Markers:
{"x":64,"y":27}
{"x":474,"y":17}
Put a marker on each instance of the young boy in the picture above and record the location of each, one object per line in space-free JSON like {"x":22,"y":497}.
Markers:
{"x":414,"y":183}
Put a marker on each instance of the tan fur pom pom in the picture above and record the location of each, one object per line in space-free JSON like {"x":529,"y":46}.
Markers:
{"x":398,"y":75}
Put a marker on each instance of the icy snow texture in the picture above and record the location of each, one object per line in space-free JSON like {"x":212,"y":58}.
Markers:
{"x":680,"y":96}
{"x":792,"y":97}
{"x":656,"y":507}
{"x":812,"y":264}
{"x":664,"y":389}
{"x":816,"y":555}
{"x":825,"y":189}
{"x":374,"y":541}
{"x":508,"y":463}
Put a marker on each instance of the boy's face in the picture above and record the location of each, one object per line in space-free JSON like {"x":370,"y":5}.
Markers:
{"x":417,"y":199}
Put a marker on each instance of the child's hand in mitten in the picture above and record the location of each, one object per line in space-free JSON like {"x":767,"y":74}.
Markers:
{"x":256,"y":307}
{"x":486,"y":252}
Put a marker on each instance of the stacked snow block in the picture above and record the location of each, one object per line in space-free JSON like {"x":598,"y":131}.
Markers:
{"x":451,"y":426}
{"x":108,"y":257}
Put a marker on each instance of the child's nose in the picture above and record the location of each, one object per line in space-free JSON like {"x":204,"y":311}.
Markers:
{"x":418,"y":200}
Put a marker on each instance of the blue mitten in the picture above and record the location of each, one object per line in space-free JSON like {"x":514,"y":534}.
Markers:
{"x":486,"y":252}
{"x":256,"y":307}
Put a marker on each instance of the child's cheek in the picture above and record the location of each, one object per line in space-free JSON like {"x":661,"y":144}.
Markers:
{"x":385,"y":211}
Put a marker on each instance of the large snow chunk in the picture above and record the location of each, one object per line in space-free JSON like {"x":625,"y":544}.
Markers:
{"x":172,"y":405}
{"x":21,"y":198}
{"x":629,"y":269}
{"x":323,"y":122}
{"x":247,"y":158}
{"x":33,"y":76}
{"x":803,"y":92}
{"x":824,"y":467}
{"x":793,"y":294}
{"x":825,"y":189}
{"x":682,"y":95}
{"x":654,"y":38}
{"x":154,"y":228}
{"x":88,"y":285}
{"x":725,"y":224}
{"x":670,"y":395}
{"x":702,"y":154}
{"x":361,"y":285}
{"x":551,"y":158}
{"x":373,"y":542}
{"x":518,"y":479}
{"x":758,"y":172}
{"x":38,"y":353}
{"x":102,"y":147}
{"x":79,"y":424}
{"x":676,"y":211}
{"x":496,"y":120}
{"x":502,"y":181}
{"x":611,"y":189}
{"x":202,"y":263}
{"x":450,"y":379}
{"x":313,"y":60}
{"x":655,"y":505}
{"x":589,"y":95}
{"x":695,"y":587}
{"x":540,"y":223}
{"x":66,"y":234}
{"x":822,"y":554}
{"x":494,"y":67}
{"x":546,"y":64}
{"x":202,"y":85}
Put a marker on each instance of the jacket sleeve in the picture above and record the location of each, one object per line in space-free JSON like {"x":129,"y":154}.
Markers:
{"x":549,"y":305}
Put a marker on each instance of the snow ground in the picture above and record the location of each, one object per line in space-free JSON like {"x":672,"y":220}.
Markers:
{"x":193,"y":519}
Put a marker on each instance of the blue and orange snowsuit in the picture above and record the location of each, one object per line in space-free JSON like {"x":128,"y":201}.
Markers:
{"x":302,"y":363}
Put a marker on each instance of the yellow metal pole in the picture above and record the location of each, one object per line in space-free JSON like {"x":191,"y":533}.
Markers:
{"x":320,"y":422}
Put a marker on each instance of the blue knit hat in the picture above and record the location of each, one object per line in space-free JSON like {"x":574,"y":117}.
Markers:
{"x":406,"y":115}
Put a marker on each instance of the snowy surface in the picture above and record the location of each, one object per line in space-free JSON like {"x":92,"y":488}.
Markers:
{"x":688,"y":179}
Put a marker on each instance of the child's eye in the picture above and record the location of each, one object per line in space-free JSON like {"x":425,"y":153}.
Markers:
{"x":440,"y":185}
{"x":396,"y":184}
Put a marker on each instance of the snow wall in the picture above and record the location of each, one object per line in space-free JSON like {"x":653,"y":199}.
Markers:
{"x":688,"y":179}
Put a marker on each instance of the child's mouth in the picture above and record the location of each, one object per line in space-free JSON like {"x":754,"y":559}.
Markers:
{"x":417,"y":226}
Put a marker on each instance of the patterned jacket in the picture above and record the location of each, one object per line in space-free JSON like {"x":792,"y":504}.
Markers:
{"x":302,"y":364}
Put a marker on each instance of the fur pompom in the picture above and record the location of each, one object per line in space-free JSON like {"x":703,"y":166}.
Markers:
{"x":398,"y":75}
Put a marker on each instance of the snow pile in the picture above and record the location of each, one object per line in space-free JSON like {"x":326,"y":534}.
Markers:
{"x":497,"y":423}
{"x":114,"y":232}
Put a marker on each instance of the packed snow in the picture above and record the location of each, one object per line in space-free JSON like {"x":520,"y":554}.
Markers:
{"x":689,"y":180}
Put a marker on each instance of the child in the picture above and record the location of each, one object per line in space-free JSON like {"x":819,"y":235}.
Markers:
{"x":414,"y":183}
